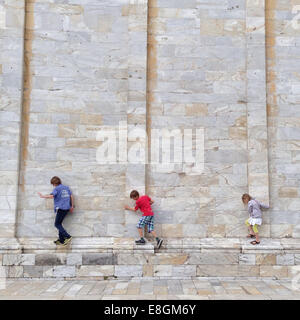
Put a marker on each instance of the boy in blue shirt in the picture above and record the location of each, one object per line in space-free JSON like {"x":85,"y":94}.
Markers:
{"x":63,"y":203}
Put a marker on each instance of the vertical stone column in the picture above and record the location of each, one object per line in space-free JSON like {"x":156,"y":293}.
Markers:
{"x":11,"y":76}
{"x":258,"y":172}
{"x":136,"y":110}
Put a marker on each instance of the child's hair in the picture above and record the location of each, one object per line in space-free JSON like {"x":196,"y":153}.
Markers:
{"x":55,"y":181}
{"x":134,"y":194}
{"x":246,"y":196}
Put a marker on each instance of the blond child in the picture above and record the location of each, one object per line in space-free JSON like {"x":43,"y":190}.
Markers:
{"x":255,"y":216}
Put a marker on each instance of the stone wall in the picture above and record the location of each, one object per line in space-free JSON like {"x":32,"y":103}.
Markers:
{"x":11,"y":76}
{"x":85,"y":66}
{"x":283,"y":48}
{"x":210,"y":73}
{"x":187,"y":258}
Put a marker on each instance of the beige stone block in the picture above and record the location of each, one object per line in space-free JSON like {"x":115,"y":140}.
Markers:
{"x":66,"y":130}
{"x":265,"y":259}
{"x":288,"y":192}
{"x":91,"y":119}
{"x":217,"y":270}
{"x":132,"y":259}
{"x":281,"y":230}
{"x":238,"y":133}
{"x":65,"y":9}
{"x":248,"y":271}
{"x":197,"y":109}
{"x":95,"y":271}
{"x":147,"y":270}
{"x":136,"y":119}
{"x":212,"y":27}
{"x":82,"y":143}
{"x":234,"y":27}
{"x":265,"y":230}
{"x":169,"y":258}
{"x":216,"y":231}
{"x":172,"y":230}
{"x":274,"y":271}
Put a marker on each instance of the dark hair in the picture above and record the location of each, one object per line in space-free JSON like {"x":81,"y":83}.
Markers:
{"x":55,"y":180}
{"x":246,"y":195}
{"x":134,"y":194}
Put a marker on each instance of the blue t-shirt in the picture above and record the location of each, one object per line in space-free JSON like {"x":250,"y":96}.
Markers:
{"x":62,"y":197}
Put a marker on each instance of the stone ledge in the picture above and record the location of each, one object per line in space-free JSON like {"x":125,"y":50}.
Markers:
{"x":104,"y":245}
{"x":110,"y":244}
{"x":231,"y":244}
{"x":104,"y":258}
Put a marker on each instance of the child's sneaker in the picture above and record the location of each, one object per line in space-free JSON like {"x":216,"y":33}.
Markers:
{"x":159,"y":243}
{"x":57,"y":242}
{"x":141,"y":241}
{"x":68,"y":240}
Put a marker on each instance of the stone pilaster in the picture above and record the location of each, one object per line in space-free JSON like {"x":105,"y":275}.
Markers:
{"x":136,"y":109}
{"x":11,"y":76}
{"x":258,"y":172}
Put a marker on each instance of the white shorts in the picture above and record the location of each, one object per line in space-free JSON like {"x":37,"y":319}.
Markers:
{"x":254,"y":221}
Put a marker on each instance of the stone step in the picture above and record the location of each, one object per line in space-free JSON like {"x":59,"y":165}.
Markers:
{"x":104,"y":258}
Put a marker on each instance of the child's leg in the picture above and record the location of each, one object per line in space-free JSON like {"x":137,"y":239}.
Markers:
{"x":62,"y":233}
{"x":153,"y":233}
{"x":255,"y":230}
{"x":250,"y":230}
{"x":140,"y":230}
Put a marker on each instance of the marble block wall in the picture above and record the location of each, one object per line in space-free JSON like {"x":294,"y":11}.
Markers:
{"x":11,"y":83}
{"x":87,"y":66}
{"x":228,"y":67}
{"x":283,"y":93}
{"x":209,"y":58}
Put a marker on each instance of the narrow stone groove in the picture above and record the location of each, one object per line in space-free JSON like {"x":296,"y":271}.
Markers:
{"x":27,"y":85}
{"x":151,"y":78}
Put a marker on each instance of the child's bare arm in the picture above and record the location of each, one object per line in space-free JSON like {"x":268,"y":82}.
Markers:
{"x":129,"y":208}
{"x":46,"y":196}
{"x":264,"y":206}
{"x":151,"y":202}
{"x":72,"y":203}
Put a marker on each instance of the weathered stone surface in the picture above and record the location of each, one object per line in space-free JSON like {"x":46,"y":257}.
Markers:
{"x":247,"y":259}
{"x":99,"y":259}
{"x":128,"y":271}
{"x":215,"y":270}
{"x":162,"y":271}
{"x":133,"y":259}
{"x":184,"y":271}
{"x":233,"y":72}
{"x":279,"y":272}
{"x":285,"y":259}
{"x":15,"y":271}
{"x":265,"y":259}
{"x":33,"y":271}
{"x":95,"y":271}
{"x":63,"y":271}
{"x":214,"y":258}
{"x":18,"y":259}
{"x":169,"y":258}
{"x":50,"y":259}
{"x":74,"y":259}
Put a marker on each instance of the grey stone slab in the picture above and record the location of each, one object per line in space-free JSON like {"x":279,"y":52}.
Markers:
{"x":99,"y":259}
{"x":50,"y":259}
